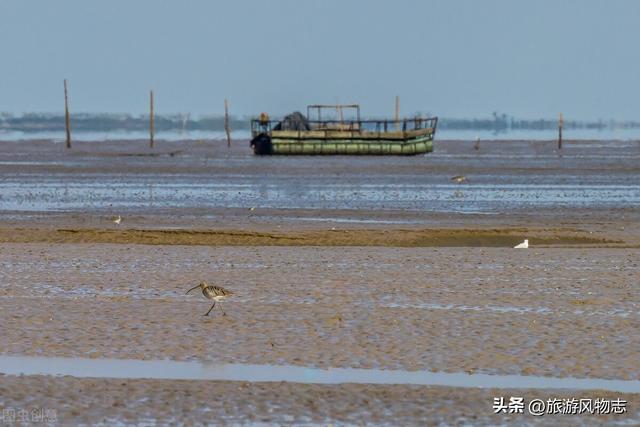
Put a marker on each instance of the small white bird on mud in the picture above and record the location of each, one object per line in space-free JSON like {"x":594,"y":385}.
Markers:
{"x":523,"y":245}
{"x":117,"y":220}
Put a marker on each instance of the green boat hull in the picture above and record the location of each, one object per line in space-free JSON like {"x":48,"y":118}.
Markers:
{"x":346,"y":146}
{"x":406,"y":137}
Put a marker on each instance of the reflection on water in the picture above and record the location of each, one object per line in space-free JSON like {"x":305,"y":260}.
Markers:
{"x":307,"y":194}
{"x":502,"y":177}
{"x":167,"y":369}
{"x":59,"y":137}
{"x":623,"y":134}
{"x":441,"y":134}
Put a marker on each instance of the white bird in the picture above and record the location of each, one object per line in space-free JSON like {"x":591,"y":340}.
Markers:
{"x":117,"y":220}
{"x":523,"y":245}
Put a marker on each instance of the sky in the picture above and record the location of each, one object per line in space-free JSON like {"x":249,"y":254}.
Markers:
{"x":451,"y":58}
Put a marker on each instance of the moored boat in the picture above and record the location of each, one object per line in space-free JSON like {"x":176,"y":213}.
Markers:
{"x":297,"y":134}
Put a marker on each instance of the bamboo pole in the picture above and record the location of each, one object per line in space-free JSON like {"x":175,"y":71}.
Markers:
{"x":397,"y":114}
{"x":560,"y":124}
{"x":185,"y":119}
{"x":151,"y":125}
{"x":227,"y":128}
{"x":67,"y":118}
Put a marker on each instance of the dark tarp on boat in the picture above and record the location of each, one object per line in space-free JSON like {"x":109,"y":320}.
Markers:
{"x":293,"y":121}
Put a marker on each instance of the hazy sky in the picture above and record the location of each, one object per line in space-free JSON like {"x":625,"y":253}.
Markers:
{"x":453,"y":58}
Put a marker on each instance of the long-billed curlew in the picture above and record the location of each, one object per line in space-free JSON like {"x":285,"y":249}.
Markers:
{"x":216,"y":293}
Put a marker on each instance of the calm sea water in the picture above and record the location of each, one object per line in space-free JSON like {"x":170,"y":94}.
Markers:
{"x":442,"y":134}
{"x":501,"y":177}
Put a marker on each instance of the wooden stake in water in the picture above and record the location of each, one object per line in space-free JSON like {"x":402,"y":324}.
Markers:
{"x":151,"y":119}
{"x":397,"y":114}
{"x":67,"y":118}
{"x":560,"y":124}
{"x":227,"y":128}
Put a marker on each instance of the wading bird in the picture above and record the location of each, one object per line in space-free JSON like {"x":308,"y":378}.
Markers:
{"x":117,"y":220}
{"x":523,"y":245}
{"x":459,"y":179}
{"x":216,"y":293}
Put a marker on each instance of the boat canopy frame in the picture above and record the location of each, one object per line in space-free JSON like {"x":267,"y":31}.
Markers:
{"x":339,"y":108}
{"x":259,"y":126}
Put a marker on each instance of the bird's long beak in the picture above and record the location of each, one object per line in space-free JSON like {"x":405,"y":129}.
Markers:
{"x":195,"y":287}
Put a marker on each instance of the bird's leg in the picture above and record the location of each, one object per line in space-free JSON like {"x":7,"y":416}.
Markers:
{"x":214,"y":304}
{"x":223,"y":313}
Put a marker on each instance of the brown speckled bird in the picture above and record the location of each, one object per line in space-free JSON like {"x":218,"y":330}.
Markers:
{"x":216,"y":293}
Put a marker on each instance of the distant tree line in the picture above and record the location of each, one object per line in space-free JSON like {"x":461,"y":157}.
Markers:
{"x":504,"y":123}
{"x":34,"y":122}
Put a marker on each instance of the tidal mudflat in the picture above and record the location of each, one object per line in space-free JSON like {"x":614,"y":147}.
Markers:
{"x":363,"y":263}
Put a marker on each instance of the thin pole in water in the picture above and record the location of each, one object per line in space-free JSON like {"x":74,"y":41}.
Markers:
{"x":151,"y":119}
{"x":397,"y":115}
{"x":560,"y":124}
{"x":67,"y":118}
{"x":227,"y":129}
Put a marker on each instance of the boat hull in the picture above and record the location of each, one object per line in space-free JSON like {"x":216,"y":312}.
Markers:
{"x":373,"y":137}
{"x":354,"y":147}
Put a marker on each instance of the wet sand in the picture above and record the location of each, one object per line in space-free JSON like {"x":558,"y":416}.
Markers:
{"x":486,"y":310}
{"x":588,"y":194}
{"x":426,"y":280}
{"x":452,"y":237}
{"x":477,"y":310}
{"x":591,"y":184}
{"x":150,"y":402}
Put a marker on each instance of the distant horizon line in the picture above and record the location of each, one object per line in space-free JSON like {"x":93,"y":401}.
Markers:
{"x":494,"y":116}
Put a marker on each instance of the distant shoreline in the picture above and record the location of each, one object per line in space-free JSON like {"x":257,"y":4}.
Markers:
{"x":111,"y":122}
